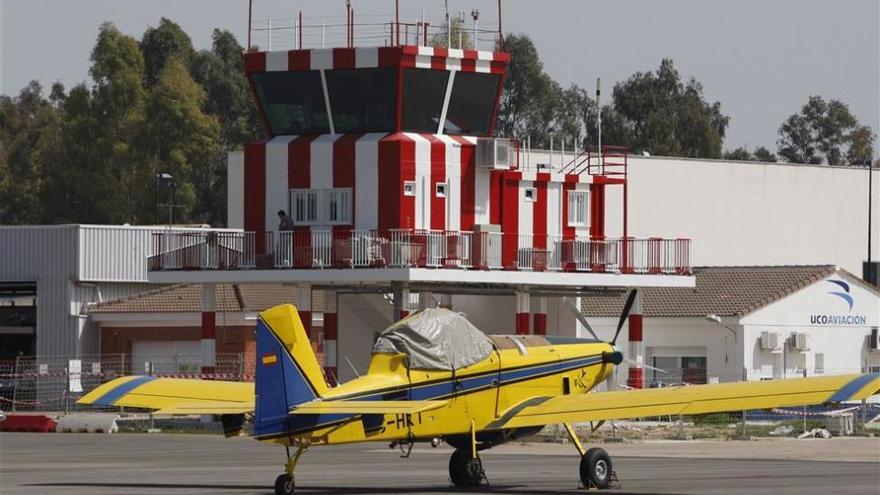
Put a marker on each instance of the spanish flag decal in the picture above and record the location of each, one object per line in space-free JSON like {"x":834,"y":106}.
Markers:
{"x":270,"y":359}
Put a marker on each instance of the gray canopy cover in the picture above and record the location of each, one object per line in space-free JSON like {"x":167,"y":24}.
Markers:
{"x":435,"y":339}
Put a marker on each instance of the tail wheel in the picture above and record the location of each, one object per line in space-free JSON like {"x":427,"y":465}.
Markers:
{"x":465,"y":470}
{"x":596,"y":468}
{"x":284,"y":485}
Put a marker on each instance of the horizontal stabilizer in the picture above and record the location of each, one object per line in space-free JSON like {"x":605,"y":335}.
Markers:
{"x":174,"y":395}
{"x":368,"y":407}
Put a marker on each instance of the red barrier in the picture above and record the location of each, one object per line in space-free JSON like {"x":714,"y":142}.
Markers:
{"x":28,"y":422}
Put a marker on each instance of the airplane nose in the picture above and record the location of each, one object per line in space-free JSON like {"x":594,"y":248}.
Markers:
{"x":615,"y":357}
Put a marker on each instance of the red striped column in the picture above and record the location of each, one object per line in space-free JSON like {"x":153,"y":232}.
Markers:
{"x":209,"y":320}
{"x":522,"y":313}
{"x":330,"y":337}
{"x":540,"y":317}
{"x":636,"y":378}
{"x":304,"y":306}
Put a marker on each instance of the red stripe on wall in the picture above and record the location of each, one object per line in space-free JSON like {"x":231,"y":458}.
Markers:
{"x":299,"y":59}
{"x":438,"y":175}
{"x":438,"y":63}
{"x":209,"y":324}
{"x":539,"y":216}
{"x":343,"y":58}
{"x":468,"y":65}
{"x":255,"y":186}
{"x":540,"y":324}
{"x":299,"y":160}
{"x":255,"y":62}
{"x":468,"y":183}
{"x":396,"y":157}
{"x":496,"y":179}
{"x":510,"y":221}
{"x":597,"y":211}
{"x":343,"y":171}
{"x":389,"y":56}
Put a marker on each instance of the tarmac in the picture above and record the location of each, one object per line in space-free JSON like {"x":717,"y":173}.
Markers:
{"x":177,"y":464}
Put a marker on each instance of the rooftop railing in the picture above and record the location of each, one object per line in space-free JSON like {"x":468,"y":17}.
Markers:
{"x":413,"y":248}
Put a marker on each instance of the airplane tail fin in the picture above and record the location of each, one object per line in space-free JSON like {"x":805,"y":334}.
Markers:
{"x":287,"y":369}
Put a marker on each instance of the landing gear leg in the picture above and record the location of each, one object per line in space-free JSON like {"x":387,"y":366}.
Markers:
{"x":595,"y":468}
{"x":465,"y":466}
{"x":285,"y":484}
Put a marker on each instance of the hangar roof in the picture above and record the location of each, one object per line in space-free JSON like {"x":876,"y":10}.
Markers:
{"x":723,"y":291}
{"x":187,"y":298}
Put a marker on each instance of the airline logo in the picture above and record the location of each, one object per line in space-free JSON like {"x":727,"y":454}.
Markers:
{"x":841,"y":291}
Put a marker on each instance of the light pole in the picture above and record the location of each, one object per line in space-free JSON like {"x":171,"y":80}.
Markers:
{"x":166,"y":180}
{"x":717,"y":319}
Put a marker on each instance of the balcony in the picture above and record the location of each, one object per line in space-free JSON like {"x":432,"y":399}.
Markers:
{"x":407,"y":248}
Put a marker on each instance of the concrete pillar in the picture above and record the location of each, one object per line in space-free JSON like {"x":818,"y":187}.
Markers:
{"x":402,"y":303}
{"x":426,"y":300}
{"x":522,"y":313}
{"x":209,"y":329}
{"x":446,"y":301}
{"x":636,"y":378}
{"x":539,"y":319}
{"x":331,"y":332}
{"x":304,"y":306}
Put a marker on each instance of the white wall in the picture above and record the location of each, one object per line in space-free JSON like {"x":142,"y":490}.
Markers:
{"x":360,"y":316}
{"x":748,"y":213}
{"x":845,"y":347}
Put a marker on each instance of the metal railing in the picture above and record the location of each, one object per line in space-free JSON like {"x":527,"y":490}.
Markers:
{"x":407,"y":248}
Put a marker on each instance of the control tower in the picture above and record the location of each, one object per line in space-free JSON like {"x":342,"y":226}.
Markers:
{"x":399,"y":195}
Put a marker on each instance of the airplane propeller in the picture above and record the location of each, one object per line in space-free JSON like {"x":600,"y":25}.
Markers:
{"x":627,"y":308}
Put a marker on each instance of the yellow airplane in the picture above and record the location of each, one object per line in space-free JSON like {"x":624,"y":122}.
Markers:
{"x":434,"y":376}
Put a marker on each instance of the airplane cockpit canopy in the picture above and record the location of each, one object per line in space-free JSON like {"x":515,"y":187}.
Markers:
{"x":435,"y":339}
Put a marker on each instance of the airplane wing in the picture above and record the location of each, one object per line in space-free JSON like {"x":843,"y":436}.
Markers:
{"x":367,"y":407}
{"x":174,"y":395}
{"x":690,"y":399}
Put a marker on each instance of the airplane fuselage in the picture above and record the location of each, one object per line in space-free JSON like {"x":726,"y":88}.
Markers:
{"x":520,"y":371}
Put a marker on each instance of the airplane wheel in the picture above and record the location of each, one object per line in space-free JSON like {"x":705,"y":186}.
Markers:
{"x":464,"y":470}
{"x":596,"y":468}
{"x":284,"y":485}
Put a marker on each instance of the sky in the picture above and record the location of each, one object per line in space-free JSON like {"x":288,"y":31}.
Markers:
{"x":761,"y":59}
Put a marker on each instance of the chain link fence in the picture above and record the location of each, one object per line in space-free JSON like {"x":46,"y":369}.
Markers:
{"x":54,"y":383}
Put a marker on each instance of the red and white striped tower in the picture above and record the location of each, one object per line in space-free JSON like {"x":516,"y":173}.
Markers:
{"x":330,"y":337}
{"x":636,"y":378}
{"x":540,"y":317}
{"x":522,"y":312}
{"x":304,"y":306}
{"x":209,"y":322}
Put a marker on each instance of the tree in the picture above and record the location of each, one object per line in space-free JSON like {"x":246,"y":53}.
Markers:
{"x":525,"y":87}
{"x":819,"y":132}
{"x":162,"y":43}
{"x":461,"y":38}
{"x":739,"y":154}
{"x":661,"y":114}
{"x":762,"y":154}
{"x":28,"y":124}
{"x":180,"y":139}
{"x":861,"y":148}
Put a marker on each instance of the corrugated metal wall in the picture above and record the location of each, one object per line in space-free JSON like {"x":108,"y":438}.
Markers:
{"x":72,"y":265}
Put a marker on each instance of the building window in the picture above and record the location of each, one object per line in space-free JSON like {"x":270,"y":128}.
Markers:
{"x":305,"y":206}
{"x":819,"y":365}
{"x":339,"y":206}
{"x":409,"y":188}
{"x":531,"y":194}
{"x":578,"y":209}
{"x":441,"y":189}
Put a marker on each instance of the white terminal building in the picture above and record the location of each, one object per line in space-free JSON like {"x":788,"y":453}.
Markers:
{"x":398,"y":199}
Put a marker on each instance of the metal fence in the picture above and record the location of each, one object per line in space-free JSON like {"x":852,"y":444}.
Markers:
{"x":54,"y":383}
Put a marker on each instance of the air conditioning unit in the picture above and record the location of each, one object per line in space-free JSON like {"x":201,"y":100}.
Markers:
{"x":494,"y":153}
{"x":769,"y":341}
{"x":798,"y":341}
{"x":874,"y":342}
